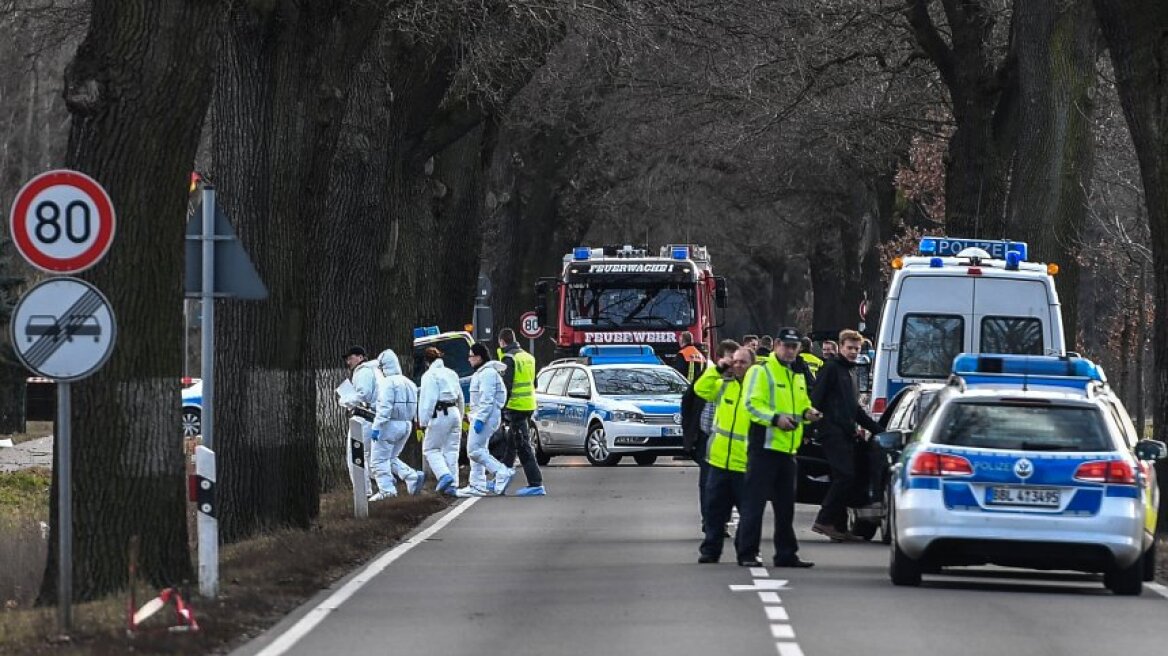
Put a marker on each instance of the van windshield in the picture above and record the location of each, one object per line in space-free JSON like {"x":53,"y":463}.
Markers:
{"x":928,"y":344}
{"x":1024,"y":427}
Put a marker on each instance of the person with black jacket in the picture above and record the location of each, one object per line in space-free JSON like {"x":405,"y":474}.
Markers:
{"x":697,"y":424}
{"x":835,"y":396}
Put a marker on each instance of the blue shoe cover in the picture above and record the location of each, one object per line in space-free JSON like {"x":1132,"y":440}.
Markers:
{"x":532,"y":491}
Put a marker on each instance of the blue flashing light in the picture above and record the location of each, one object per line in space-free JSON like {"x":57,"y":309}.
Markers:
{"x":1013,"y":259}
{"x":680,"y":252}
{"x":620,"y":354}
{"x":581,"y":253}
{"x":936,"y":262}
{"x":928,"y":246}
{"x":419,"y":332}
{"x":1052,"y":370}
{"x":431,"y":331}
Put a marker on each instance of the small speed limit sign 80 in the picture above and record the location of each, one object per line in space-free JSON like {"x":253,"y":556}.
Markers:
{"x":529,"y":325}
{"x":62,"y":221}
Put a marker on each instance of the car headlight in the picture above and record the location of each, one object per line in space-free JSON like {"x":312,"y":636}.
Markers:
{"x":624,"y":415}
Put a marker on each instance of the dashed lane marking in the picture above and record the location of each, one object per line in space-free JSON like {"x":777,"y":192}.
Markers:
{"x":760,"y":584}
{"x":782,"y":631}
{"x":776,"y":613}
{"x":759,"y":572}
{"x":789,"y":649}
{"x":770,"y":598}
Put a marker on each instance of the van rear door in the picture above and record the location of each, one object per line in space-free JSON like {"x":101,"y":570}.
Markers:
{"x":1012,"y":315}
{"x":932,"y":326}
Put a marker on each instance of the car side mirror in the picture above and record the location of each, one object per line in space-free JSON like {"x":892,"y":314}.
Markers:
{"x":721,"y":295}
{"x":1151,"y":450}
{"x":577,"y":394}
{"x":892,"y":440}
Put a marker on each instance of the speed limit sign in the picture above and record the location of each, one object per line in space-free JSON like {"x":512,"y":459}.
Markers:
{"x":529,"y":325}
{"x":62,"y":222}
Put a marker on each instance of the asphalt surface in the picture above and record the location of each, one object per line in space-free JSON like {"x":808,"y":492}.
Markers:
{"x":606,"y":564}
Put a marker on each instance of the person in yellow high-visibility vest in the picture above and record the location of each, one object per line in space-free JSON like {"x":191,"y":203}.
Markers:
{"x":725,"y":455}
{"x":779,"y":404}
{"x":519,"y":379}
{"x":814,"y":362}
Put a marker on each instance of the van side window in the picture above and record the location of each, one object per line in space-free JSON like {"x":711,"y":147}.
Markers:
{"x":928,"y":344}
{"x":1017,"y":335}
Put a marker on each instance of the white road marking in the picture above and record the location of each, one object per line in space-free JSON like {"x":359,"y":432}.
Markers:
{"x":760,"y":584}
{"x":776,"y":613}
{"x":759,"y":572}
{"x":789,"y":649}
{"x":782,"y":631}
{"x":1158,"y":589}
{"x":334,"y":601}
{"x":770,"y":598}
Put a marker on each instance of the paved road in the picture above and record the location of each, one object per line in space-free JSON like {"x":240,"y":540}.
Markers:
{"x":606,"y":565}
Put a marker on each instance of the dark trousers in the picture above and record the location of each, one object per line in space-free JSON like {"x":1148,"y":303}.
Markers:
{"x":519,"y":443}
{"x":770,"y":476}
{"x":724,"y":490}
{"x":840,"y":451}
{"x":703,"y":474}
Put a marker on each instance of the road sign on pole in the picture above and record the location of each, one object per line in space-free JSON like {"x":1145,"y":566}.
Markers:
{"x":62,"y":222}
{"x":63,"y":329}
{"x":529,"y":326}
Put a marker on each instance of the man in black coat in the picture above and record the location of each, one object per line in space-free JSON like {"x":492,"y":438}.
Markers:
{"x":835,"y":396}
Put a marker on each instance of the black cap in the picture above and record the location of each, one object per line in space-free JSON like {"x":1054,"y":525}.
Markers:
{"x":788,"y":334}
{"x":478,"y":349}
{"x":356,"y":350}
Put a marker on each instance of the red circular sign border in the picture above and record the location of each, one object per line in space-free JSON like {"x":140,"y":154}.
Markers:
{"x":522,"y":333}
{"x":88,"y":186}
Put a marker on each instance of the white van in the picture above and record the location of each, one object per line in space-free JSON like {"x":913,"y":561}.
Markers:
{"x":962,"y":296}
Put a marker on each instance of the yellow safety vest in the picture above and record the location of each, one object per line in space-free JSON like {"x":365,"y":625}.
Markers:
{"x":521,"y":396}
{"x":773,"y":388}
{"x":727,"y":446}
{"x":814,"y":362}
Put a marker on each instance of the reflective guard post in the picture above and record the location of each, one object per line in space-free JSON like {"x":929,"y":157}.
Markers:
{"x":208,"y":522}
{"x":358,"y":461}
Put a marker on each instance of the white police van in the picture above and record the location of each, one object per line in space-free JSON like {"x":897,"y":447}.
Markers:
{"x":962,"y":296}
{"x":1025,"y":462}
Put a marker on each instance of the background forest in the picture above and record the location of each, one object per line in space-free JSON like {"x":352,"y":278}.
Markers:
{"x":376,"y":156}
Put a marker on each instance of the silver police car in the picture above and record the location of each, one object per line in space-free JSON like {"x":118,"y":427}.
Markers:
{"x":1025,"y":462}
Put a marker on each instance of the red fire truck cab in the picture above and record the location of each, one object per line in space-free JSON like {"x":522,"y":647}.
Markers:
{"x":622,"y":295}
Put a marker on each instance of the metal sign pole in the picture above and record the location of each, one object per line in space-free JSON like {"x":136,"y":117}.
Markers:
{"x":64,"y":511}
{"x":208,"y":524}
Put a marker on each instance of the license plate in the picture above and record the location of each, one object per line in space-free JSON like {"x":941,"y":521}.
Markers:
{"x":1041,"y":497}
{"x":671,"y":431}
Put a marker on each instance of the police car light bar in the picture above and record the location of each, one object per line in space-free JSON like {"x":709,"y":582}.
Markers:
{"x":620,"y":354}
{"x":419,"y":332}
{"x":951,"y":246}
{"x":1048,"y":370}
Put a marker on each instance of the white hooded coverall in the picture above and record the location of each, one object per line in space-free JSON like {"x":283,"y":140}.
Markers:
{"x":443,"y":427}
{"x":364,"y":379}
{"x":397,"y":405}
{"x":488,"y":395}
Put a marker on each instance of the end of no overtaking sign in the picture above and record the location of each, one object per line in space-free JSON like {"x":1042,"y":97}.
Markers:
{"x":62,"y":222}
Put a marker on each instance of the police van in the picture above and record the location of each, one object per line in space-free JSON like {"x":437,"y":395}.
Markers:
{"x":962,"y":296}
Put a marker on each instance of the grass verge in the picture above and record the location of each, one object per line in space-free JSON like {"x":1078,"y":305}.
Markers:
{"x":261,"y":581}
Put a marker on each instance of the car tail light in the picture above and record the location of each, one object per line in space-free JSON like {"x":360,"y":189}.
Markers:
{"x":974,"y":271}
{"x":879,"y":405}
{"x":1116,"y":472}
{"x":929,"y":463}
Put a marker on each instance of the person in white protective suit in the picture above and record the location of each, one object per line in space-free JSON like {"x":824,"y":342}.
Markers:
{"x":397,"y":405}
{"x":488,"y":394}
{"x":363,"y":375}
{"x":440,"y":410}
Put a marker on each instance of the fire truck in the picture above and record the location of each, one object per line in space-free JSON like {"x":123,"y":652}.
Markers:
{"x":623,"y":295}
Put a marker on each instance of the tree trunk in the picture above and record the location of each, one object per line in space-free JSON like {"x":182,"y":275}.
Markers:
{"x":1055,"y":45}
{"x":13,"y":394}
{"x":458,"y":211}
{"x":285,"y":70}
{"x":1136,"y":32}
{"x":137,"y":90}
{"x":1141,"y":318}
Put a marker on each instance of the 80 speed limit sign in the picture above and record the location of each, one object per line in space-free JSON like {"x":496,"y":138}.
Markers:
{"x":529,"y":325}
{"x":62,"y":222}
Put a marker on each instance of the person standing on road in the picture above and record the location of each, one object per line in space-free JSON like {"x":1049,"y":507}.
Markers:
{"x":697,"y":424}
{"x":766,"y":346}
{"x":487,"y":397}
{"x":397,"y":405}
{"x":519,"y":381}
{"x":440,"y":410}
{"x":813,"y":362}
{"x":829,"y":349}
{"x":776,"y":397}
{"x":751,"y":342}
{"x":726,"y":455}
{"x":835,"y":394}
{"x":689,"y":361}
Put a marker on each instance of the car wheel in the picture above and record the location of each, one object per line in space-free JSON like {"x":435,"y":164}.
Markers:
{"x":1150,"y":563}
{"x":1127,"y":582}
{"x":645,"y":459}
{"x":902,"y":569}
{"x":861,"y":527}
{"x":596,"y":449}
{"x":886,"y":522}
{"x":541,"y":457}
{"x":192,"y":422}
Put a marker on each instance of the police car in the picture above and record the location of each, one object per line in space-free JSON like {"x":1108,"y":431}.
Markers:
{"x":610,"y":402}
{"x":192,"y":407}
{"x":1026,"y":462}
